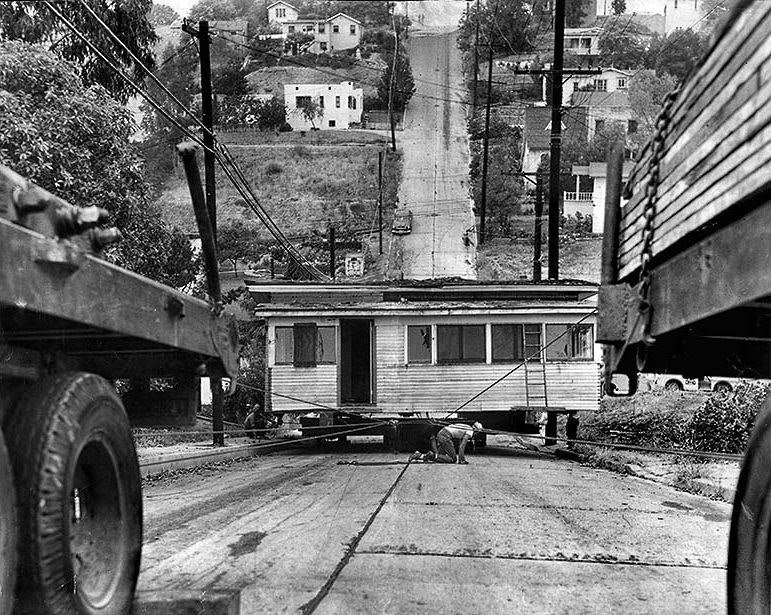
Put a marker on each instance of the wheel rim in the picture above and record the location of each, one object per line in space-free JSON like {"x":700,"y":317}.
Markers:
{"x":96,"y":524}
{"x":672,"y":386}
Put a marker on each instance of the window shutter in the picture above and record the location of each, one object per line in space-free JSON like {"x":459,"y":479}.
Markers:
{"x":305,"y":335}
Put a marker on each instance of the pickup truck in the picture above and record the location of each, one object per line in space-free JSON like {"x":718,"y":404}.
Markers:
{"x":686,"y":281}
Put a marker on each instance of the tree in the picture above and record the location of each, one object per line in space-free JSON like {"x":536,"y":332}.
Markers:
{"x":622,"y":49}
{"x":502,"y":23}
{"x":575,"y":12}
{"x":162,"y":15}
{"x":213,"y":10}
{"x":74,"y":140}
{"x":311,"y":109}
{"x":34,"y":22}
{"x":677,"y":53}
{"x":403,"y":86}
{"x":237,"y":241}
{"x":647,"y":92}
{"x":618,"y":7}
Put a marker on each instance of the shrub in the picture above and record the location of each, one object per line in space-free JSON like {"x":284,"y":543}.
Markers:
{"x":724,"y":423}
{"x":274,"y":168}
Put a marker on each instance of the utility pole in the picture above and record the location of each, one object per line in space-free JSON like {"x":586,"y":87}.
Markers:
{"x":476,"y":55}
{"x":486,"y":146}
{"x":380,"y":199}
{"x":332,"y":252}
{"x":556,"y":139}
{"x":207,"y":118}
{"x":391,"y":114}
{"x":537,"y":231}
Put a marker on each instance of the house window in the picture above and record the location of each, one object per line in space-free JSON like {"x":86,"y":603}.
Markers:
{"x":460,"y":344}
{"x":321,"y":102}
{"x":631,"y":126}
{"x":575,"y":86}
{"x":353,"y":30}
{"x":335,"y":28}
{"x":508,"y":343}
{"x":419,"y":344}
{"x":322,"y":28}
{"x":621,"y":83}
{"x":337,"y":102}
{"x":301,"y":101}
{"x":305,"y":345}
{"x":291,"y":29}
{"x":323,"y":46}
{"x":569,"y":343}
{"x":354,"y":102}
{"x":280,"y":12}
{"x":601,"y":85}
{"x":332,"y":123}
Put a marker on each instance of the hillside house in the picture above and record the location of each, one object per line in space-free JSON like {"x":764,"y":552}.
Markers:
{"x":536,"y":137}
{"x":604,"y":109}
{"x":609,"y":80}
{"x":584,"y":42}
{"x":340,"y":105}
{"x":337,"y":33}
{"x":427,"y":347}
{"x":280,"y":12}
{"x":591,"y":203}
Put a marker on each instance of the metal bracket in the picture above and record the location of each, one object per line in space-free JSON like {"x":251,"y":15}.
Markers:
{"x":62,"y":255}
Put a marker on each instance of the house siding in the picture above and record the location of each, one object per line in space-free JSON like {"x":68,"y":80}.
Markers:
{"x":402,"y":387}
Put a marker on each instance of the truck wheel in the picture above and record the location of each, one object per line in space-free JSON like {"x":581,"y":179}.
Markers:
{"x":673,"y":385}
{"x":749,"y":546}
{"x":79,"y":493}
{"x":8,"y":543}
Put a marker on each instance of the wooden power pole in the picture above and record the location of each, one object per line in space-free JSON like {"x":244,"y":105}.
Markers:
{"x":556,"y":139}
{"x":486,"y":144}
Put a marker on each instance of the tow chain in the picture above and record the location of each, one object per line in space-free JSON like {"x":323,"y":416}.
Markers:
{"x":645,"y":308}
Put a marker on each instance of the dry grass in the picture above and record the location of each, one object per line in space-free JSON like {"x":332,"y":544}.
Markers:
{"x":303,"y":188}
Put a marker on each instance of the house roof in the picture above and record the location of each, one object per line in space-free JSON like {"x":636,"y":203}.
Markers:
{"x":537,"y":131}
{"x":336,"y":15}
{"x":291,"y":6}
{"x":600,"y":169}
{"x":594,"y":99}
{"x":590,"y":31}
{"x":421,"y":295}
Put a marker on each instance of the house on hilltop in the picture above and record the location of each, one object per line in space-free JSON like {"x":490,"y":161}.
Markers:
{"x":536,"y":137}
{"x":339,"y":105}
{"x":337,"y":33}
{"x":604,"y":109}
{"x":280,"y":12}
{"x":591,"y":202}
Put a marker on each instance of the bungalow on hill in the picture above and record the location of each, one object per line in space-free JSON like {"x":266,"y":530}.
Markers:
{"x":591,"y":202}
{"x":604,"y":109}
{"x":536,"y":137}
{"x":337,"y":33}
{"x":339,"y":105}
{"x":608,"y":80}
{"x":424,"y":348}
{"x":280,"y":12}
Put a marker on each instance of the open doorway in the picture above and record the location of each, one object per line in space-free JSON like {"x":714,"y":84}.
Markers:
{"x":356,"y":360}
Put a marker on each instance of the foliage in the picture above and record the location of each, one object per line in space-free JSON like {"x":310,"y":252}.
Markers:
{"x":678,"y":53}
{"x":618,"y":7}
{"x":229,"y":79}
{"x":213,"y":10}
{"x":237,"y":241}
{"x":403,"y":83}
{"x":34,"y":22}
{"x":162,"y":15}
{"x":647,"y":91}
{"x":501,"y":23}
{"x":251,"y":372}
{"x":575,"y":12}
{"x":73,"y":140}
{"x":621,"y":48}
{"x":311,"y":109}
{"x":576,"y":226}
{"x":724,"y":423}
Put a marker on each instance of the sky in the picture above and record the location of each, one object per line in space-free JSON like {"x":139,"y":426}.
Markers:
{"x":181,"y":6}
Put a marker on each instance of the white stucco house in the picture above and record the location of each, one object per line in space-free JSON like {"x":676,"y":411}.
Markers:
{"x":340,"y":105}
{"x":337,"y":33}
{"x":608,"y":80}
{"x":280,"y":12}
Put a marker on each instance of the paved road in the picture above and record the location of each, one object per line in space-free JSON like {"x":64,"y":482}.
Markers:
{"x":435,"y":167}
{"x":511,"y":532}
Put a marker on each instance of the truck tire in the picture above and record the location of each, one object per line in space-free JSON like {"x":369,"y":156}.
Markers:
{"x":8,"y":539}
{"x":749,"y":547}
{"x":79,"y":498}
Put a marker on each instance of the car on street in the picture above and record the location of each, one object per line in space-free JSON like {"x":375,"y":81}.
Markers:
{"x":402,"y":224}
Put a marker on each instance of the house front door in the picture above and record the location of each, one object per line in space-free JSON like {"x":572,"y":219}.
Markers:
{"x":356,"y":361}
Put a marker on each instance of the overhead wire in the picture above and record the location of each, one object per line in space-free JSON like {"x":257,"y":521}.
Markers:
{"x":222,"y":156}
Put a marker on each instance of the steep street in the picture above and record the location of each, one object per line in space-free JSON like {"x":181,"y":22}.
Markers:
{"x":435,"y":160}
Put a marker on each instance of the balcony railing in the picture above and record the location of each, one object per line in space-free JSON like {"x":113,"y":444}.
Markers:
{"x":579,"y":196}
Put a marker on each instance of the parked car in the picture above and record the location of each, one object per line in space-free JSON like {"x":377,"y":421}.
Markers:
{"x":402,"y":224}
{"x":676,"y":382}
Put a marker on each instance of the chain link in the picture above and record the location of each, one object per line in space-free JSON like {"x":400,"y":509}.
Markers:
{"x":649,"y":213}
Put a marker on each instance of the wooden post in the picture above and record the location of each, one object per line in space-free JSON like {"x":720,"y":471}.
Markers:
{"x":556,"y":139}
{"x":486,"y":146}
{"x":332,"y":252}
{"x":380,"y":199}
{"x":538,"y":225}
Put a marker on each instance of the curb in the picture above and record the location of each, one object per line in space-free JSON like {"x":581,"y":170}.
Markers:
{"x":156,"y":464}
{"x":186,"y":602}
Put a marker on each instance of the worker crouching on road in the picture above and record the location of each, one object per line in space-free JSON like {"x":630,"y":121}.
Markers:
{"x":445,"y":443}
